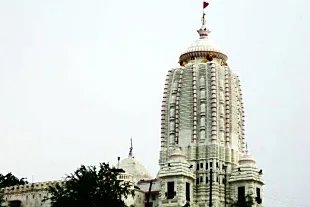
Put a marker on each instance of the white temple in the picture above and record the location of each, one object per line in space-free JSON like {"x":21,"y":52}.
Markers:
{"x":202,"y":120}
{"x":204,"y":160}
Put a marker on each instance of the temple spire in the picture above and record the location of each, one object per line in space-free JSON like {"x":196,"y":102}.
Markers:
{"x":203,"y":31}
{"x":131,"y":148}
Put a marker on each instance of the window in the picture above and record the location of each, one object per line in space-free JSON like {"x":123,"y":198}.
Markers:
{"x":211,"y":164}
{"x":201,"y":165}
{"x":258,"y":199}
{"x":206,"y":179}
{"x":241,"y":194}
{"x":206,"y":165}
{"x":170,"y":193}
{"x":258,"y":192}
{"x":217,"y":165}
{"x":201,"y":179}
{"x":197,"y":166}
{"x":153,"y":197}
{"x":197,"y":180}
{"x":15,"y":203}
{"x":150,"y":204}
{"x":188,"y":197}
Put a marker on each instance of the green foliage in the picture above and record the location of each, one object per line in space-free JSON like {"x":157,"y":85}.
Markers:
{"x":248,"y":202}
{"x":91,"y":187}
{"x":9,"y":180}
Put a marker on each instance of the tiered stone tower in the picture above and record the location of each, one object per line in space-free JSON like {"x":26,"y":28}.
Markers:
{"x":179,"y":175}
{"x":202,"y":114}
{"x":248,"y":178}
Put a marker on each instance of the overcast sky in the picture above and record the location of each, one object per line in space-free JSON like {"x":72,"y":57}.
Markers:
{"x":79,"y":78}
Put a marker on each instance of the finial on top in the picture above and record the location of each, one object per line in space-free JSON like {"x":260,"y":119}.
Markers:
{"x":203,"y":31}
{"x":131,"y":148}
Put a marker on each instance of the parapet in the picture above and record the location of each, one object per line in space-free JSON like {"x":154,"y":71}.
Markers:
{"x":125,"y":177}
{"x":41,"y":186}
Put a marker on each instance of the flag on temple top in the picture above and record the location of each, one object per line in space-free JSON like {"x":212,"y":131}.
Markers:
{"x":205,"y":4}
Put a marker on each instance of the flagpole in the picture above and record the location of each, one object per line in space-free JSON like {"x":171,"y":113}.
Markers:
{"x":203,"y":13}
{"x":204,"y":6}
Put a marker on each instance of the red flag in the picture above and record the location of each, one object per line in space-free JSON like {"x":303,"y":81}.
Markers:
{"x":205,"y":4}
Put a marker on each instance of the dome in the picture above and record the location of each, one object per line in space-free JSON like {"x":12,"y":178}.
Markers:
{"x":177,"y":154}
{"x":202,"y":47}
{"x":247,"y":159}
{"x":135,"y":168}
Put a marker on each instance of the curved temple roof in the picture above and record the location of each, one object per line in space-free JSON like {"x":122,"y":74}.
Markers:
{"x":134,"y":167}
{"x":203,"y":46}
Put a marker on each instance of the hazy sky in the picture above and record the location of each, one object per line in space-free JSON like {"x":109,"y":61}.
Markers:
{"x":79,"y":78}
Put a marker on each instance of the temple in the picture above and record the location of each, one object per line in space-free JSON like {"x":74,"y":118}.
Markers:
{"x":202,"y":120}
{"x":204,"y":160}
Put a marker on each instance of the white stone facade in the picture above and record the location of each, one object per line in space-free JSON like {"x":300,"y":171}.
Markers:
{"x":246,"y":175}
{"x":202,"y":114}
{"x":179,"y":172}
{"x":32,"y":195}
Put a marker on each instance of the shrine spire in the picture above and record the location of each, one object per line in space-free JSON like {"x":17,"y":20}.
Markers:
{"x":203,"y":31}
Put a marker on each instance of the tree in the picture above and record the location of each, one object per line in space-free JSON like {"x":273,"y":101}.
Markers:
{"x":247,"y":202}
{"x":9,"y":180}
{"x":90,"y":187}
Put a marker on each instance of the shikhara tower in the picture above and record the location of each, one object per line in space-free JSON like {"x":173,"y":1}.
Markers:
{"x":202,"y":129}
